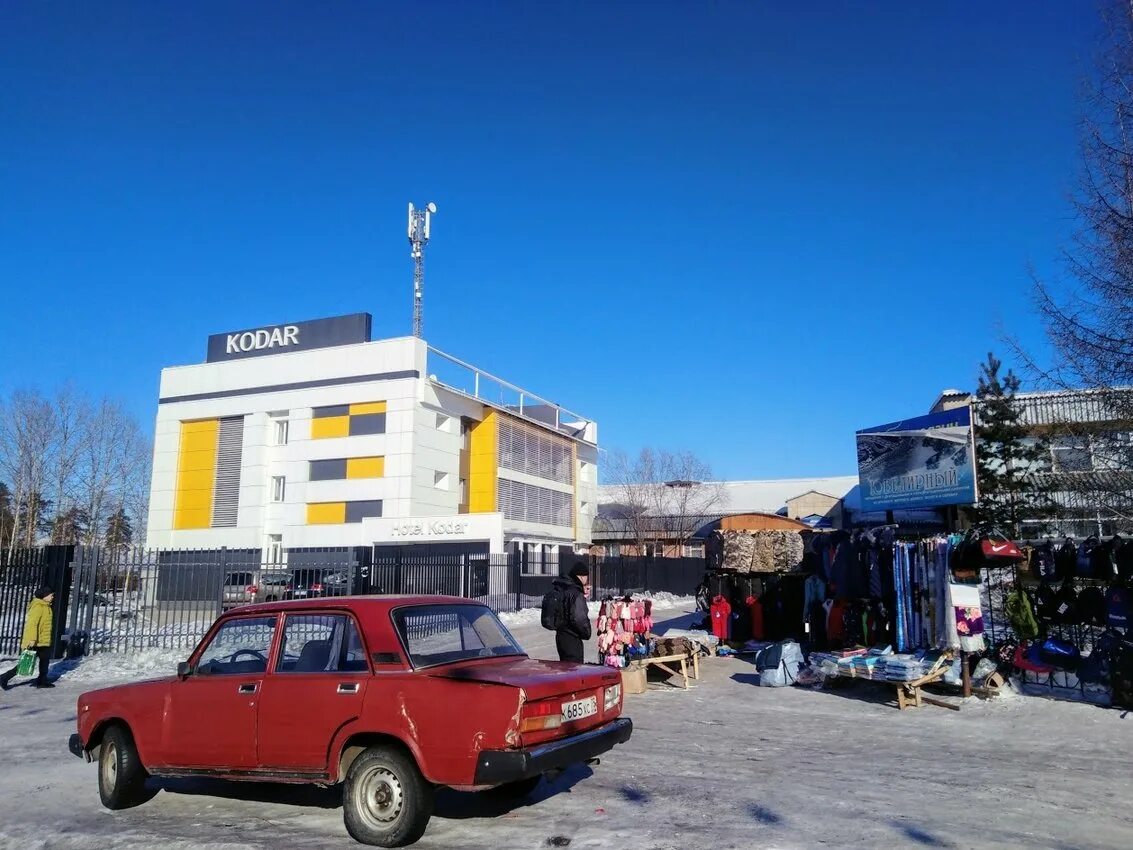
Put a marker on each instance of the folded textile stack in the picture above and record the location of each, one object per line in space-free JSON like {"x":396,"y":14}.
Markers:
{"x":865,"y":666}
{"x":903,"y":668}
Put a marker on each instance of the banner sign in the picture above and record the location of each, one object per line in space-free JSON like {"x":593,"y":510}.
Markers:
{"x":924,"y":462}
{"x":280,"y":339}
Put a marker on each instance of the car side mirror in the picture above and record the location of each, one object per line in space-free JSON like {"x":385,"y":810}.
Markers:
{"x":184,"y":670}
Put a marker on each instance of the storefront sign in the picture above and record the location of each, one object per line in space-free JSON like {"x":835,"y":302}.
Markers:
{"x":924,"y":462}
{"x":298,"y":336}
{"x":432,"y":528}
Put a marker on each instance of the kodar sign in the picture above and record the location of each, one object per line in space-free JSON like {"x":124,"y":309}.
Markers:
{"x":298,"y":336}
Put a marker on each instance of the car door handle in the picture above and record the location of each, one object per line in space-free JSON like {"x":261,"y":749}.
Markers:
{"x":348,"y":688}
{"x":247,"y":689}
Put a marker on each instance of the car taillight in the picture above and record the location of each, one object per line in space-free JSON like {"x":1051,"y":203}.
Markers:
{"x":318,"y":588}
{"x":252,"y":589}
{"x":290,"y":587}
{"x":540,"y":716}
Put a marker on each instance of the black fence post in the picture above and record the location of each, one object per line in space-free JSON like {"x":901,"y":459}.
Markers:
{"x":515,"y":565}
{"x":220,"y":582}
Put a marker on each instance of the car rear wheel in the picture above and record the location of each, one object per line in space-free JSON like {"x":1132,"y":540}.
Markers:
{"x":386,"y":802}
{"x":121,"y":777}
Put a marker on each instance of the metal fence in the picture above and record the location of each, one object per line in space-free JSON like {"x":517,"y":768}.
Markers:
{"x":127,"y":599}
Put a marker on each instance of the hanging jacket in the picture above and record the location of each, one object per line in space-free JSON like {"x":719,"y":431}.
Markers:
{"x":721,"y":613}
{"x":1021,"y":615}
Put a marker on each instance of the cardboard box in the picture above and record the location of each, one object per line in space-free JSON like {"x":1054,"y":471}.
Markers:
{"x":633,"y":680}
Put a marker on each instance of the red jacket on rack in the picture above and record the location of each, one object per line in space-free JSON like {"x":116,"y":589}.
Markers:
{"x":721,"y":612}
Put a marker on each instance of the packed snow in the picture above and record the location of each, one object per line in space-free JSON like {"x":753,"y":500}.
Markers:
{"x":726,"y":764}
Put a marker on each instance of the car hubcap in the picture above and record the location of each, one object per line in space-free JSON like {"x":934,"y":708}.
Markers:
{"x":380,"y":797}
{"x":110,"y":767}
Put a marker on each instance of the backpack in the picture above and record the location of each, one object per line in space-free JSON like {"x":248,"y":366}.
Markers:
{"x":1060,"y":653}
{"x":1096,"y":666}
{"x":1066,"y":560}
{"x":1121,"y":674}
{"x":1021,"y":615}
{"x":553,"y":614}
{"x":1118,"y":603}
{"x":1092,"y":609}
{"x":779,"y":664}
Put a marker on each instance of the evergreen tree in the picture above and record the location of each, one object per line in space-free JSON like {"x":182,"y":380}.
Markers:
{"x":69,"y":527}
{"x":1008,"y":456}
{"x":119,"y":530}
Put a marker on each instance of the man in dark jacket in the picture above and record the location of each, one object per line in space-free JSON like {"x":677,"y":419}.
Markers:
{"x":575,"y":628}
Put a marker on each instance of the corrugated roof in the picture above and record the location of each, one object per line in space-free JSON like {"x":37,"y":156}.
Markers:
{"x":768,"y":496}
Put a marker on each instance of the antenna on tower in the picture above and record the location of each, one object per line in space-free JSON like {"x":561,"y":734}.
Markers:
{"x":419,"y":221}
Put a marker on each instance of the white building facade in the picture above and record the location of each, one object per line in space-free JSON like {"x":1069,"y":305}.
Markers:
{"x":309,"y":436}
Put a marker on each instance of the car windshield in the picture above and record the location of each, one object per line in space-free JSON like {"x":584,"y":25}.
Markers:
{"x":442,"y":634}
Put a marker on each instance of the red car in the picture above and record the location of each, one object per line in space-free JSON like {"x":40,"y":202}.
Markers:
{"x":392,"y":696}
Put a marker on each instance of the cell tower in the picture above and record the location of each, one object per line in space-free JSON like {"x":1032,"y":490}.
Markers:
{"x":418,"y":239}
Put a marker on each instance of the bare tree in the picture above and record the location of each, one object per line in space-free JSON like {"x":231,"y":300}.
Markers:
{"x":69,"y":432}
{"x":660,"y":496}
{"x":1089,"y":313}
{"x":26,"y":427}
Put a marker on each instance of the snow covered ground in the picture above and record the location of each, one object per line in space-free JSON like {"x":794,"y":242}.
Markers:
{"x":724,"y":765}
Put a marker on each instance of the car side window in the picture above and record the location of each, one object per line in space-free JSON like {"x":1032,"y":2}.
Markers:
{"x":239,"y":647}
{"x":321,"y":643}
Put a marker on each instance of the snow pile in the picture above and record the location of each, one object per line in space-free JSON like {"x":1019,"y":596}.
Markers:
{"x":141,"y":664}
{"x":661,"y":601}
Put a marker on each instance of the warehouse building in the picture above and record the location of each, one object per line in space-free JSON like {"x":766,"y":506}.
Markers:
{"x":311,"y":437}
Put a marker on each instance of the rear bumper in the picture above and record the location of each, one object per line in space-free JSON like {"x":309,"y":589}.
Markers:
{"x":495,"y":767}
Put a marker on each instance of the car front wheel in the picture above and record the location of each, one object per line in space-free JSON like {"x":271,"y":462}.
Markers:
{"x":386,"y":801}
{"x":121,"y":777}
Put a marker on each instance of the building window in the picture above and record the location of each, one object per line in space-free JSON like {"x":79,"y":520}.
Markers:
{"x":613,"y":550}
{"x":337,"y":513}
{"x":1071,"y":454}
{"x":527,"y":449}
{"x":464,"y":491}
{"x":440,"y":480}
{"x":279,"y":432}
{"x":274,"y":550}
{"x":528,"y":503}
{"x":338,"y":469}
{"x":278,"y":488}
{"x":348,"y":420}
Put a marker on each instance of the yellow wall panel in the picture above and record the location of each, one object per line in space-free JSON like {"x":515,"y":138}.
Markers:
{"x":326,"y":513}
{"x":483,"y":469}
{"x":196,"y":474}
{"x":330,"y":426}
{"x":368,"y":407}
{"x":365,"y":467}
{"x":185,"y":519}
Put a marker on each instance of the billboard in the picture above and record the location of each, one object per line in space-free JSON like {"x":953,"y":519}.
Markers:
{"x":924,"y":462}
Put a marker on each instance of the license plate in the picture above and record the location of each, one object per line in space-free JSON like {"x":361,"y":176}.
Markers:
{"x":579,"y":709}
{"x":300,"y":593}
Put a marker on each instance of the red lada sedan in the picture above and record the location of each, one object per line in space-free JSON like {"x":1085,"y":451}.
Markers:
{"x":392,"y":696}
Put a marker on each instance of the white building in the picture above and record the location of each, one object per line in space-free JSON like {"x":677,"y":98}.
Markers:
{"x":310,"y":436}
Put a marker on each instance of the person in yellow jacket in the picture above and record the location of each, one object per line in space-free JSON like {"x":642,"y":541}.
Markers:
{"x":38,"y":635}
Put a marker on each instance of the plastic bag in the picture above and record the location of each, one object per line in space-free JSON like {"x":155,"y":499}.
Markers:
{"x":27,"y":663}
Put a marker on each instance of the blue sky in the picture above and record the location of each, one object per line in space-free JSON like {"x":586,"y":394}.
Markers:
{"x":745,"y":229}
